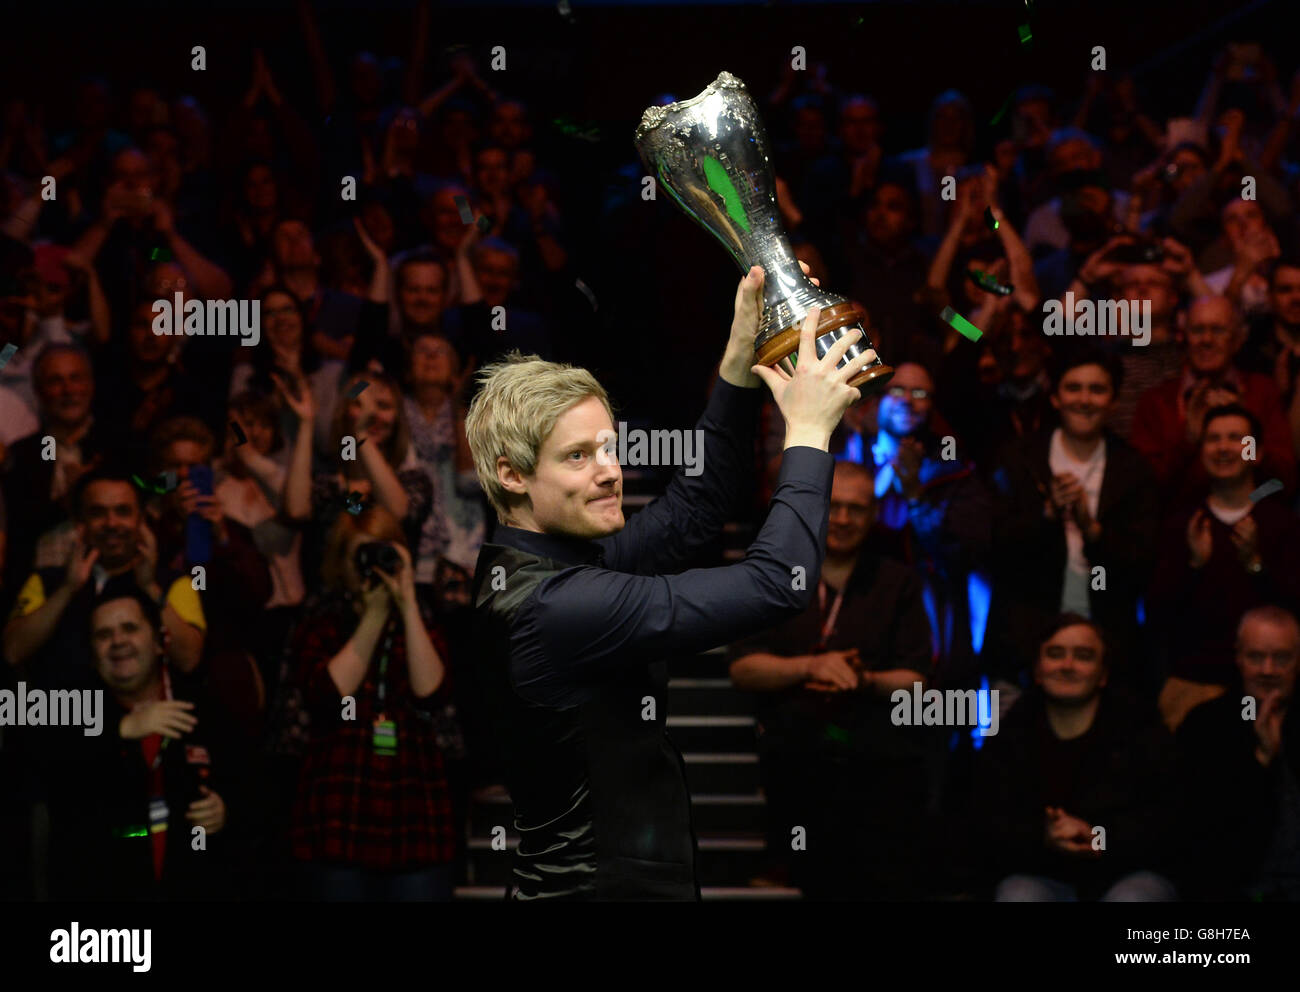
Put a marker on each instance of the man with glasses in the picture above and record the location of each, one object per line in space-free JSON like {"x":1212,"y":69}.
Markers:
{"x":1167,"y":428}
{"x":831,"y":759}
{"x":931,"y":500}
{"x":1240,"y":762}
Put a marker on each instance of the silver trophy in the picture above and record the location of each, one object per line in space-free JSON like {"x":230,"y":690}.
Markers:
{"x":711,"y":154}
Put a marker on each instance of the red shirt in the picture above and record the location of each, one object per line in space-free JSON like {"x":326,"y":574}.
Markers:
{"x":355,"y":806}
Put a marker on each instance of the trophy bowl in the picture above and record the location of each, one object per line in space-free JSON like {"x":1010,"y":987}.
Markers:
{"x":711,"y":154}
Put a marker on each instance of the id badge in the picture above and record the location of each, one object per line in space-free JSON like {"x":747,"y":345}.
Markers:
{"x":385,"y":736}
{"x":158,"y":815}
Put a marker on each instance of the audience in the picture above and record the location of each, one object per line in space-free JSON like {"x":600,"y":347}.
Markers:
{"x":180,"y":515}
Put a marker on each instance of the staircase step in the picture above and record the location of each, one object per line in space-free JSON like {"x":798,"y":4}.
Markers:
{"x":731,"y":773}
{"x":715,"y":695}
{"x":712,"y":733}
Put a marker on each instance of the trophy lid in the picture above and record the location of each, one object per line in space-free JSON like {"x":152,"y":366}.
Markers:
{"x":652,"y":117}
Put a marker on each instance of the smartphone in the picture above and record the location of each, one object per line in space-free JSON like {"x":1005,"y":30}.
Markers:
{"x":198,"y":531}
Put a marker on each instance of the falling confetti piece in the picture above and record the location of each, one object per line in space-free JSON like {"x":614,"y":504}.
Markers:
{"x":240,"y":437}
{"x":1026,"y":36}
{"x":1267,"y":489}
{"x":961,"y":324}
{"x":358,"y":389}
{"x":586,"y":291}
{"x":9,"y":351}
{"x":484,"y":224}
{"x":989,"y":219}
{"x":1006,"y":105}
{"x":988,"y":283}
{"x":837,"y":733}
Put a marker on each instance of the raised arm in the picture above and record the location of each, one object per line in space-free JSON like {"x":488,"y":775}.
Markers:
{"x":693,"y":509}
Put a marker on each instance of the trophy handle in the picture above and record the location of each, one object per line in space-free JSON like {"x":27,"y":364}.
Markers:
{"x":834,"y":322}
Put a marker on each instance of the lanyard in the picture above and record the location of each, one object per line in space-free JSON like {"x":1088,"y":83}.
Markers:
{"x":828,"y":627}
{"x":382,"y":690}
{"x":167,"y":695}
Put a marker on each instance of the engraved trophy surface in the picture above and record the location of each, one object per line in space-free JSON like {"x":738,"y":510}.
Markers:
{"x":712,"y":155}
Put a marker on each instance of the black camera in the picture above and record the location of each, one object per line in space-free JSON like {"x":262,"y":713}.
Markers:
{"x":376,"y":556}
{"x":1137,"y":253}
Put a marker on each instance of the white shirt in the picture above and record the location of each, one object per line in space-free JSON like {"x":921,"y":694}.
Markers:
{"x":1074,"y":591}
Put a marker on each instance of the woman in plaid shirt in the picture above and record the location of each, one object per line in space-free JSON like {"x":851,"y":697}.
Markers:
{"x":373,"y":817}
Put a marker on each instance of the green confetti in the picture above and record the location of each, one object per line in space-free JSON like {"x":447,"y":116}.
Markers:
{"x":1026,"y":36}
{"x":960,"y":324}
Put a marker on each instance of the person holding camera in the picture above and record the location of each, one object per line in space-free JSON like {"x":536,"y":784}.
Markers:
{"x":373,"y":816}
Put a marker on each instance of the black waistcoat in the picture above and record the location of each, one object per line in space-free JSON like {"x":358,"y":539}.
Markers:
{"x":601,"y":804}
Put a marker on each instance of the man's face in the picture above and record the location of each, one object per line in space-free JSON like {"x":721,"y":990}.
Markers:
{"x":1221,"y":449}
{"x":575,"y":491}
{"x":148,"y":348}
{"x":949,"y":123}
{"x":125,"y":647}
{"x":905,"y":406}
{"x":110,"y":518}
{"x":65,"y":388}
{"x":495,"y":271}
{"x":1028,"y":350}
{"x":259,"y":189}
{"x":859,"y":126}
{"x":1284,"y":295}
{"x":292,"y":246}
{"x":180,"y":456}
{"x":419,"y":297}
{"x":1212,"y":336}
{"x":1084,"y":397}
{"x":283,"y":322}
{"x":1074,"y":154}
{"x":1070,"y":668}
{"x":1268,"y":654}
{"x":1190,"y":169}
{"x":810,"y":128}
{"x":492,"y":172}
{"x":433,"y":361}
{"x":1149,"y":282}
{"x":510,"y":124}
{"x":888,"y":220}
{"x":851,"y":505}
{"x":448,"y":228}
{"x":166,"y":279}
{"x":1242,"y":218}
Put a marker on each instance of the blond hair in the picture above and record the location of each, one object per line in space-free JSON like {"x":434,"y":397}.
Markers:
{"x":515,"y":411}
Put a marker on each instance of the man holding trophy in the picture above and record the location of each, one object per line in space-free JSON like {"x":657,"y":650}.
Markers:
{"x":576,"y":613}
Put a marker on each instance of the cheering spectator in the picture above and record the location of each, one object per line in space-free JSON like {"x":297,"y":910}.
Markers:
{"x":1074,"y":791}
{"x":1240,"y":762}
{"x":47,"y":630}
{"x":1076,"y":524}
{"x":373,"y":819}
{"x":933,"y":501}
{"x":1167,"y":428}
{"x":1217,"y":560}
{"x":831,"y":759}
{"x":149,"y":820}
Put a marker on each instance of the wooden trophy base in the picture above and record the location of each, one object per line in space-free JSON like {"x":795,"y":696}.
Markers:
{"x":786,"y":343}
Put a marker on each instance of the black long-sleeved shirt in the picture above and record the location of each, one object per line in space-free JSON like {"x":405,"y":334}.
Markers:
{"x":627,"y":607}
{"x":575,"y":634}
